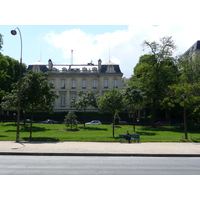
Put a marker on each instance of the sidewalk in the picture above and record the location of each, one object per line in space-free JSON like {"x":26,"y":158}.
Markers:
{"x":99,"y":148}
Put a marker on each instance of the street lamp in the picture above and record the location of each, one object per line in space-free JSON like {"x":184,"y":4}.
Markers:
{"x":14,"y":32}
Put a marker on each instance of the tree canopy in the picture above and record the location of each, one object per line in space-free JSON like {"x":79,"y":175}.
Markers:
{"x":85,"y":100}
{"x":113,"y":102}
{"x":155,"y":71}
{"x":36,"y":94}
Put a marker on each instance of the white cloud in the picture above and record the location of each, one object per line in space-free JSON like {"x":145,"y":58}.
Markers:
{"x":123,"y":46}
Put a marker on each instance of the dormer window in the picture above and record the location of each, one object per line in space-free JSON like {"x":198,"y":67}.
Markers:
{"x":110,"y":69}
{"x":36,"y":68}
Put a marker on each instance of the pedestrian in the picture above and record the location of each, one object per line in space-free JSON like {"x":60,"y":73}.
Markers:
{"x":128,"y":136}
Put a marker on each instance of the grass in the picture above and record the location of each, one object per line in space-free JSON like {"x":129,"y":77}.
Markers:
{"x":102,"y":133}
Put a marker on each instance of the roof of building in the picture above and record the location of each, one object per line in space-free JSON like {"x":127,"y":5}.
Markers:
{"x":105,"y":66}
{"x":194,"y":47}
{"x":43,"y":67}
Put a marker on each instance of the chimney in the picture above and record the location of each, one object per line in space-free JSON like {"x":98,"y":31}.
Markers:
{"x":71,"y":57}
{"x":99,"y":64}
{"x":50,"y":64}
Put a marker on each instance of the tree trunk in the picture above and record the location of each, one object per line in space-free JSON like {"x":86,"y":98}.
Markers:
{"x":185,"y":121}
{"x":134,"y":113}
{"x":84,"y":117}
{"x":113,"y":125}
{"x":153,"y":114}
{"x":113,"y":128}
{"x":31,"y":130}
{"x":31,"y":124}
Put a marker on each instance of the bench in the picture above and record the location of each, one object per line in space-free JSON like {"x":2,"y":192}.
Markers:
{"x":134,"y":137}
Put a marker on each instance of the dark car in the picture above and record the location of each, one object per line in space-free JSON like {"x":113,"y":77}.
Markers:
{"x":162,"y":123}
{"x":123,"y":123}
{"x":27,"y":121}
{"x":49,"y":121}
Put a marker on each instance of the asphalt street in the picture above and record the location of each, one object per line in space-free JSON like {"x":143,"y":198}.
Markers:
{"x":95,"y":165}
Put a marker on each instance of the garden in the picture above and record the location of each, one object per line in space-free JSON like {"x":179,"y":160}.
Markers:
{"x":94,"y":133}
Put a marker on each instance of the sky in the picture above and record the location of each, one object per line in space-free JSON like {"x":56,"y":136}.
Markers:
{"x":106,"y":29}
{"x":121,"y":44}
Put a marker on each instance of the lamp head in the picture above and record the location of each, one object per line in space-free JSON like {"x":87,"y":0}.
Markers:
{"x":14,"y":32}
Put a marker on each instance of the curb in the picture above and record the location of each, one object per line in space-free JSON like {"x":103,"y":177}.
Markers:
{"x":98,"y":154}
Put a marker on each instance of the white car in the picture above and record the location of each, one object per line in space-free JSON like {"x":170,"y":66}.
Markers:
{"x":94,"y":122}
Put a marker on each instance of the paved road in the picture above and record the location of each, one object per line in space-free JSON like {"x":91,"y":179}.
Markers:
{"x":80,"y":165}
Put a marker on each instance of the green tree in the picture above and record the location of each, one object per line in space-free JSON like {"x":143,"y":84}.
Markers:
{"x":156,"y":71}
{"x":113,"y":102}
{"x":186,"y":95}
{"x":85,"y":99}
{"x":36,"y":94}
{"x":187,"y":92}
{"x":70,"y":120}
{"x":9,"y":74}
{"x":134,"y":99}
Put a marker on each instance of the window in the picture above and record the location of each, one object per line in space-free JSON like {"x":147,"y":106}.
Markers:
{"x":73,"y":84}
{"x":94,"y":84}
{"x":73,"y":96}
{"x":62,"y":84}
{"x":36,"y":68}
{"x":110,"y":69}
{"x":115,"y":83}
{"x":62,"y":99}
{"x":105,"y":83}
{"x":54,"y":103}
{"x":52,"y":81}
{"x":83,"y":84}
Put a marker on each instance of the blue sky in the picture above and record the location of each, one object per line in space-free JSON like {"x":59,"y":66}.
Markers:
{"x":35,"y":45}
{"x":105,"y":29}
{"x":121,"y":44}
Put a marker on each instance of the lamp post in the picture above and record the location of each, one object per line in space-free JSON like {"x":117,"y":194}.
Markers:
{"x":14,"y":32}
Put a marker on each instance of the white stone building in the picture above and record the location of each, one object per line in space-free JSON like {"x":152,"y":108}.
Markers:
{"x":85,"y":77}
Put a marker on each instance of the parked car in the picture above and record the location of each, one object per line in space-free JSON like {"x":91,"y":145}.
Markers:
{"x":94,"y":122}
{"x":123,"y":123}
{"x":162,"y":123}
{"x":27,"y":121}
{"x":48,"y":121}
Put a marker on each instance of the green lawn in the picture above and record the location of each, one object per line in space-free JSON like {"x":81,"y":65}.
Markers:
{"x":57,"y":132}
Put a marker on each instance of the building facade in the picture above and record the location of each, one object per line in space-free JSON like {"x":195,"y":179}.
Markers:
{"x":84,"y":77}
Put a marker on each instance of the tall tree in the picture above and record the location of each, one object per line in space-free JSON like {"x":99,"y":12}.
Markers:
{"x":156,"y":71}
{"x":134,"y":99}
{"x":187,"y":91}
{"x":85,"y":99}
{"x":9,"y":73}
{"x":113,"y":102}
{"x":36,"y":94}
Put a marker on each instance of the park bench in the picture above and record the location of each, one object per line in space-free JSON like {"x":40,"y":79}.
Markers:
{"x":134,"y":137}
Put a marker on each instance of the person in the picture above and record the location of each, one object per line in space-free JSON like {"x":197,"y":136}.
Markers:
{"x":128,"y":136}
